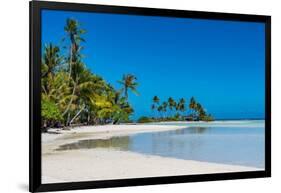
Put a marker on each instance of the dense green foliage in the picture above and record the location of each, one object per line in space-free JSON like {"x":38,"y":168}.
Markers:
{"x":72,"y":94}
{"x":50,"y":112}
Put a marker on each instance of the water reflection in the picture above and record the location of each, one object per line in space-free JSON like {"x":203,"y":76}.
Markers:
{"x":121,"y":143}
{"x":231,"y":145}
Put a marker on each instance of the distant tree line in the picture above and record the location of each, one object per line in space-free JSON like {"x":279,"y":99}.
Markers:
{"x":172,"y":110}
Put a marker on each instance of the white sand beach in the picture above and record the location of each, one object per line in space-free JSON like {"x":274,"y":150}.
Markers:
{"x":106,"y":163}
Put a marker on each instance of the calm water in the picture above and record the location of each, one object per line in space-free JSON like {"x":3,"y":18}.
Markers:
{"x":230,"y":142}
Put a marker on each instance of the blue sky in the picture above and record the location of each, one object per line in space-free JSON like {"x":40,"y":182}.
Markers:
{"x":220,"y":63}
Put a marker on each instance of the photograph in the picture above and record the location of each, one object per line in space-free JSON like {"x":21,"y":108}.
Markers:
{"x":128,"y":96}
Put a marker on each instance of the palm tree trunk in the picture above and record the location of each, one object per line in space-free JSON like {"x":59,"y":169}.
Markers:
{"x":71,"y":99}
{"x":70,"y":62}
{"x":126,"y":92}
{"x":77,"y":114}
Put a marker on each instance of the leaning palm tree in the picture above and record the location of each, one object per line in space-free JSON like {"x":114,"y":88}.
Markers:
{"x":129,"y":83}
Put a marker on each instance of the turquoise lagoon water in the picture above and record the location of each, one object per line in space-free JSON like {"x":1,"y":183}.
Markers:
{"x":229,"y":142}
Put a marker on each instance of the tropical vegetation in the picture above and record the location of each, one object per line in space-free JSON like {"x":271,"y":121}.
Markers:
{"x":172,"y":110}
{"x":72,"y":94}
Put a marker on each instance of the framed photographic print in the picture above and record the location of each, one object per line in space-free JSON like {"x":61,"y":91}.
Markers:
{"x":126,"y":96}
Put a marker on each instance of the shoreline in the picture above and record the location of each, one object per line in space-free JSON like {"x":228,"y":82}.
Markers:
{"x":106,"y":163}
{"x":127,"y":129}
{"x":106,"y":131}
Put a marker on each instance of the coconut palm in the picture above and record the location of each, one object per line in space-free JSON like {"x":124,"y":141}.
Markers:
{"x":129,"y":83}
{"x":171,"y":104}
{"x":164,"y":105}
{"x":200,"y":111}
{"x":181,"y":105}
{"x":156,"y":100}
{"x":160,"y":109}
{"x":50,"y":60}
{"x":192,"y":106}
{"x":74,"y":33}
{"x":155,"y":103}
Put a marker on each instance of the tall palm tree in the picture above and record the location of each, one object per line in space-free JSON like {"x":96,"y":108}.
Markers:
{"x":129,"y":83}
{"x":74,"y":33}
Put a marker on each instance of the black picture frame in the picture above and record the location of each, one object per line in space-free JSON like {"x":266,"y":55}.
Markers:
{"x":35,"y":184}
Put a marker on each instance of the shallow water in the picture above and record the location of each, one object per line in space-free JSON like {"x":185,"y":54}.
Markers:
{"x":229,"y":142}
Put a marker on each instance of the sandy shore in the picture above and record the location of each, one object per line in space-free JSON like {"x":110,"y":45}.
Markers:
{"x":105,"y":163}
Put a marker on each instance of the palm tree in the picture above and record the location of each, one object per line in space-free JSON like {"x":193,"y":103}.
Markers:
{"x":74,"y":33}
{"x":153,"y":107}
{"x":72,"y":28}
{"x":155,"y":101}
{"x":171,"y":103}
{"x":128,"y":82}
{"x":192,"y":106}
{"x":85,"y":87}
{"x":181,"y":105}
{"x":75,"y":94}
{"x":160,"y":109}
{"x":50,"y":60}
{"x":164,"y":105}
{"x":200,"y":111}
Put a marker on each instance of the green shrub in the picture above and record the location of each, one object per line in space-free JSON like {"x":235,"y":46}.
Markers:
{"x":207,"y":118}
{"x":50,"y":111}
{"x":145,"y":120}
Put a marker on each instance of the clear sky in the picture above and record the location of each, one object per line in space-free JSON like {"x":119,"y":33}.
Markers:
{"x":220,"y":63}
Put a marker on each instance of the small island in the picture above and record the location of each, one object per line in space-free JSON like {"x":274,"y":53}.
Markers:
{"x":172,"y":110}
